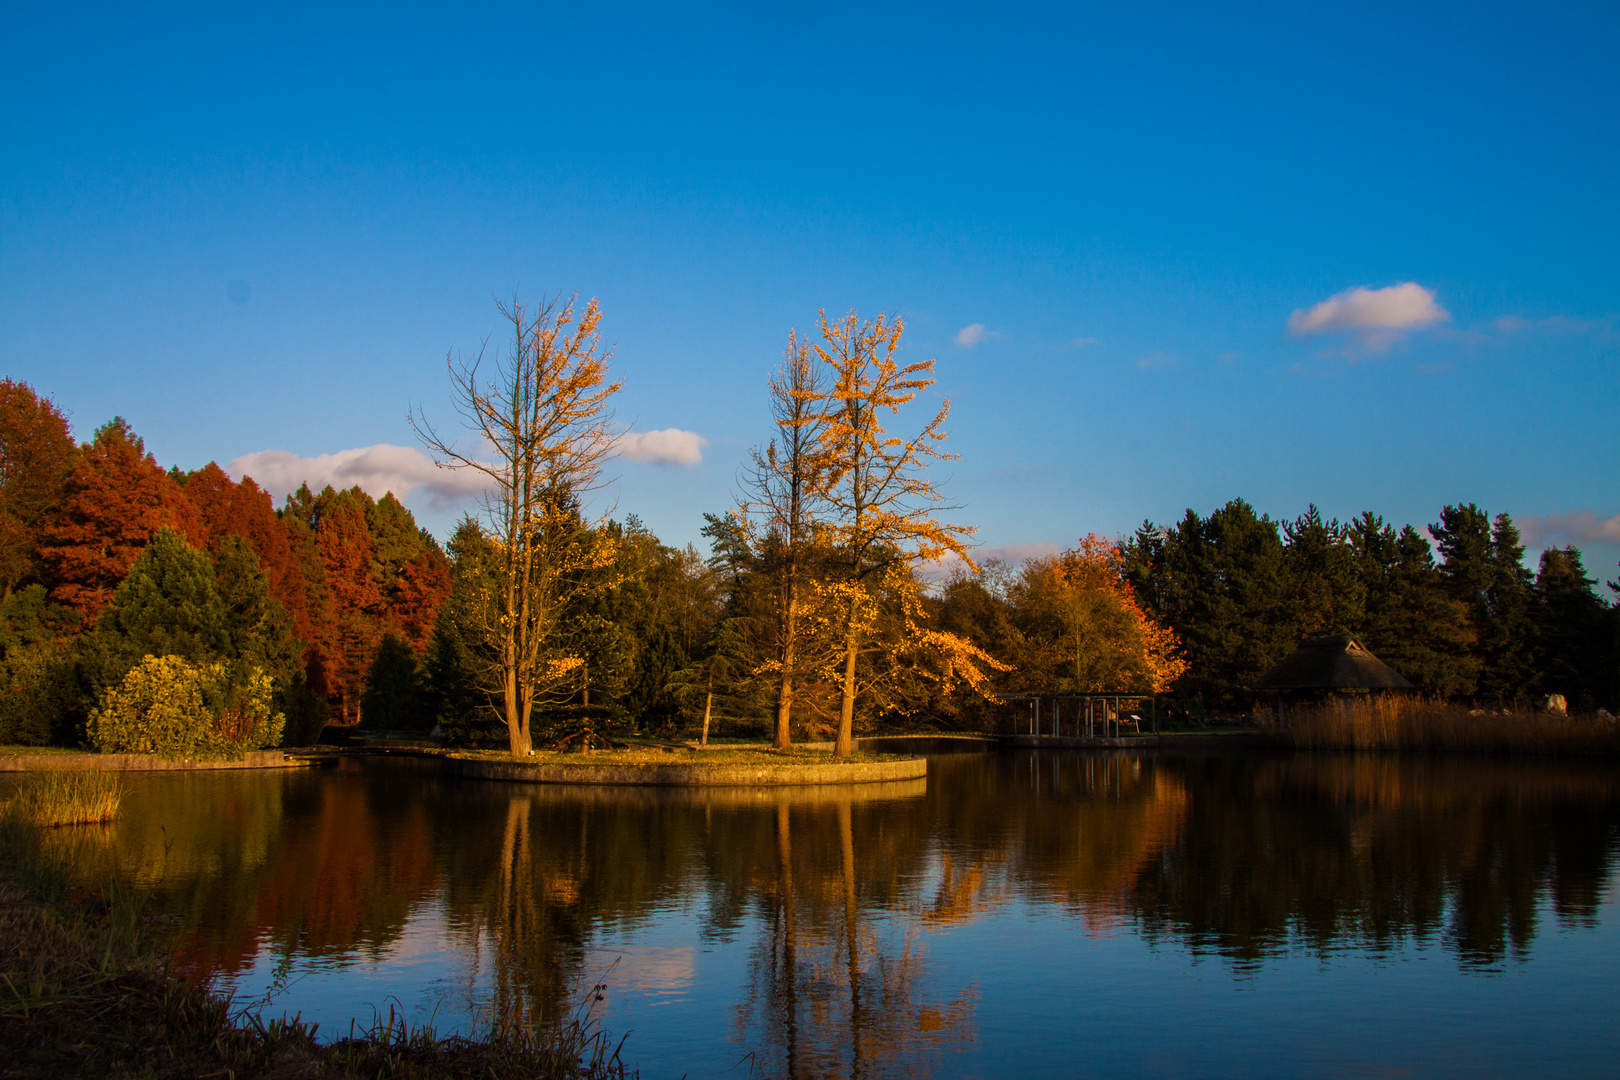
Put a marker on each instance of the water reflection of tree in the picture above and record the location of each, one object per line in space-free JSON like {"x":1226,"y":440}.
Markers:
{"x":821,"y":966}
{"x":1375,"y":851}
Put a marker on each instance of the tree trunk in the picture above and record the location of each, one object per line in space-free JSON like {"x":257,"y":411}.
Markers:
{"x":845,"y":746}
{"x":708,"y":703}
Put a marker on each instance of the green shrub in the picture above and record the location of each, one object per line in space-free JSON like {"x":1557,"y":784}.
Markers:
{"x":169,"y":706}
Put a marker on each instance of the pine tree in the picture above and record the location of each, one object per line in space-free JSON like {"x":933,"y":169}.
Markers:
{"x":1328,"y":596}
{"x":1574,"y":647}
{"x":168,"y":605}
{"x":1484,"y":569}
{"x":1410,"y":621}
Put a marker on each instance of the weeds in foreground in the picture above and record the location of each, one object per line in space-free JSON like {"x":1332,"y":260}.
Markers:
{"x":65,"y":797}
{"x":86,"y":991}
{"x":1393,"y":722}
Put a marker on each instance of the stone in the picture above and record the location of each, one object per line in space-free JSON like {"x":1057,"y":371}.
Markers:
{"x":1554,"y":703}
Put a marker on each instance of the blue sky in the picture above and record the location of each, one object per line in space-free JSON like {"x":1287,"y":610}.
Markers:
{"x":263,"y":229}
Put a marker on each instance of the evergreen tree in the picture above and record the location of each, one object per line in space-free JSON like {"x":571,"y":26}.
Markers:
{"x":1574,"y":635}
{"x":1329,"y":597}
{"x":1409,"y":619}
{"x":169,"y":605}
{"x":395,"y":698}
{"x":258,"y":627}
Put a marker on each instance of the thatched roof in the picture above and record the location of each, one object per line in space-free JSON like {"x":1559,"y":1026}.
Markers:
{"x":1332,"y":663}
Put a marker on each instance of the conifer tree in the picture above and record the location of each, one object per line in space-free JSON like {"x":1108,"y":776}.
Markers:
{"x":36,"y":455}
{"x":114,"y":501}
{"x":1574,"y":644}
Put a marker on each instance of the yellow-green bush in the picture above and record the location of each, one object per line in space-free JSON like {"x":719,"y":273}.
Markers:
{"x":174,"y":708}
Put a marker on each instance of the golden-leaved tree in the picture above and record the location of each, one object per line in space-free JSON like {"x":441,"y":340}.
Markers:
{"x":883,"y":519}
{"x":543,"y":412}
{"x":783,"y":507}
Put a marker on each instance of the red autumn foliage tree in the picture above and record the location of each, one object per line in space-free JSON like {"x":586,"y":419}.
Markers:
{"x":355,"y":603}
{"x":226,"y":508}
{"x":422,"y":586}
{"x":114,"y":501}
{"x":36,"y":455}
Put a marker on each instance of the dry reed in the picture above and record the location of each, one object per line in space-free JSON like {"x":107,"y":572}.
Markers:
{"x":1394,"y":722}
{"x":61,"y":797}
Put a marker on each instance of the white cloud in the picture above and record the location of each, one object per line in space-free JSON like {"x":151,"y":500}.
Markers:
{"x":1375,"y":316}
{"x":1156,"y":360}
{"x":969,"y":336}
{"x":1014,"y":555}
{"x":1083,"y":342}
{"x":1512,"y":324}
{"x":672,"y":446}
{"x":1581,"y":527}
{"x":376,"y":469}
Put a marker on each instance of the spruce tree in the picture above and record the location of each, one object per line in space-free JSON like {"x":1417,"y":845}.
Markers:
{"x":1574,"y":644}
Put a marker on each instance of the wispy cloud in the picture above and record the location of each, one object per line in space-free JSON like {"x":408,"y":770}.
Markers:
{"x":1375,"y":317}
{"x":375,"y":469}
{"x":404,"y":470}
{"x":1580,"y":527}
{"x":1156,"y":360}
{"x":1083,"y":342}
{"x":1012,"y":554}
{"x":973,"y":333}
{"x":671,"y":446}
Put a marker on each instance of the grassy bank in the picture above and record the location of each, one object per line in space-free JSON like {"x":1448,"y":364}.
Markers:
{"x":662,"y":755}
{"x":1403,"y":723}
{"x":85,"y":991}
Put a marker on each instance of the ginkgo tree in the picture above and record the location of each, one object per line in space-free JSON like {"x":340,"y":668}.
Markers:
{"x":883,"y":516}
{"x":541,"y":411}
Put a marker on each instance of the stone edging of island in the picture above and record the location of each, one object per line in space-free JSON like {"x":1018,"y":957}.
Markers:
{"x":678,"y":774}
{"x":254,"y":759}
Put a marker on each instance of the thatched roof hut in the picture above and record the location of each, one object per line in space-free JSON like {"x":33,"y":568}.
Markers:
{"x":1339,"y":662}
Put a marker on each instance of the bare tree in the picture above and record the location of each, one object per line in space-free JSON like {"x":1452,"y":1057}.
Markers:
{"x":783,"y":503}
{"x":541,"y":414}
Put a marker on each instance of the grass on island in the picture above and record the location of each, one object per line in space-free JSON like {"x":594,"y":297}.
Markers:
{"x":656,"y":755}
{"x":85,"y":991}
{"x":1392,"y":722}
{"x":64,"y":797}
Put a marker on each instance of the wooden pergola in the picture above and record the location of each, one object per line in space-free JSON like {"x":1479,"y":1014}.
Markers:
{"x":1090,"y":711}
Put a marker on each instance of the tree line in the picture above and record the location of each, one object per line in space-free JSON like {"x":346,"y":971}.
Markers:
{"x":835,"y":594}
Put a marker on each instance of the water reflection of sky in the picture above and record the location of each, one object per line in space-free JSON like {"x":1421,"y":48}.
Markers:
{"x":1078,"y":917}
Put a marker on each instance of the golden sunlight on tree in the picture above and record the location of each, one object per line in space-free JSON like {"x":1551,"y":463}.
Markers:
{"x":1100,"y":640}
{"x":883,"y":510}
{"x":782,"y":507}
{"x":542,"y":411}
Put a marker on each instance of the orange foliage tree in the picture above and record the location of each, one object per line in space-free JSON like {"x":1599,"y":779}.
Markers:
{"x":36,"y":454}
{"x":883,"y":508}
{"x":1099,"y":636}
{"x":114,"y":501}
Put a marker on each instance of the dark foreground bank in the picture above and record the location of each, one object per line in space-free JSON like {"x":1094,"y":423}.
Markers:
{"x":86,"y":991}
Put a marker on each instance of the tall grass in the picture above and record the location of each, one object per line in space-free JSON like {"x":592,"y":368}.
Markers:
{"x":1391,"y":722}
{"x":65,"y":797}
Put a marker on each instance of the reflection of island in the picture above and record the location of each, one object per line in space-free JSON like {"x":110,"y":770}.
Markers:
{"x":836,"y":890}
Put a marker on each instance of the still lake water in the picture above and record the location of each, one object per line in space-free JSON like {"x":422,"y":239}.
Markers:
{"x":1038,"y":914}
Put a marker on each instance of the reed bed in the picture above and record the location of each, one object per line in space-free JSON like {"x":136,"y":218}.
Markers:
{"x":1399,"y":723}
{"x":63,"y":797}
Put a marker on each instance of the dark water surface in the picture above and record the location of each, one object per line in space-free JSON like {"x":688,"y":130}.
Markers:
{"x":1032,"y":914}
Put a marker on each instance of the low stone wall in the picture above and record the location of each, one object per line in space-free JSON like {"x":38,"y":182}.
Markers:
{"x":679,"y":774}
{"x":256,"y":759}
